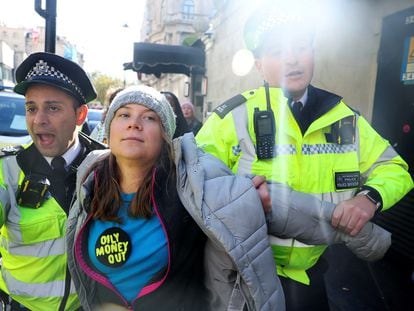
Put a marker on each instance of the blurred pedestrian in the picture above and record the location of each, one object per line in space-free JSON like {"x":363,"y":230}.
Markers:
{"x":189,"y":114}
{"x":182,"y":126}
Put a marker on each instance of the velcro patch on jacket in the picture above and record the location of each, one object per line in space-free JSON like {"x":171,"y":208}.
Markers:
{"x":346,"y":180}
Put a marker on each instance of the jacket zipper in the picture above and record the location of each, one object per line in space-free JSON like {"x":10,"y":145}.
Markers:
{"x":247,"y":303}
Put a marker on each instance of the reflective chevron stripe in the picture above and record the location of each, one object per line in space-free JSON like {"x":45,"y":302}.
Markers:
{"x":47,"y":248}
{"x":49,"y":289}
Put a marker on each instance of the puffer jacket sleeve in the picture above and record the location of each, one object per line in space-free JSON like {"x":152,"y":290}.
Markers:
{"x":228,"y":210}
{"x":307,"y":219}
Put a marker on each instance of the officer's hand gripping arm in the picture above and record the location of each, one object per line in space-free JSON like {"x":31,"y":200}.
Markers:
{"x":307,"y":219}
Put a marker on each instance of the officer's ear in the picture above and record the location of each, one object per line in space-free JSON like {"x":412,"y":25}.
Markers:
{"x":81,"y":114}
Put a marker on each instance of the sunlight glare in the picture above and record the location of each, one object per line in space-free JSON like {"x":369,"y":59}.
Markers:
{"x":243,"y":62}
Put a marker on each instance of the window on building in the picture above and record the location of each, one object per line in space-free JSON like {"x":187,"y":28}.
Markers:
{"x":188,"y":9}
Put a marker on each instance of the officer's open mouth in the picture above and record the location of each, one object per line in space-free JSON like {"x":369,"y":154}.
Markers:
{"x":45,"y":138}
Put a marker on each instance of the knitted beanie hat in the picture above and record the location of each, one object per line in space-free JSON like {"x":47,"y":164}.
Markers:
{"x":144,"y":96}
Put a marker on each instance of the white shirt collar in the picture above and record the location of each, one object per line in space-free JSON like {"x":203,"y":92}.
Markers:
{"x":303,"y":99}
{"x":70,"y":154}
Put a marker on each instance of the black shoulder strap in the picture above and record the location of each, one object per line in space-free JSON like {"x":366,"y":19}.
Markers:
{"x":229,"y":105}
{"x":10,"y":150}
{"x":90,"y":143}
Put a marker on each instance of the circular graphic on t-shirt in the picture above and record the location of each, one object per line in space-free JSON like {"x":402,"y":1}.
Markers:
{"x":113,"y":247}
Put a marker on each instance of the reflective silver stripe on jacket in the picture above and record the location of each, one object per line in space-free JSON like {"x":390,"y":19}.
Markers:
{"x":41,"y":249}
{"x":336,"y":197}
{"x":357,"y":138}
{"x":11,"y":172}
{"x":388,"y":154}
{"x":49,"y":289}
{"x":5,"y":201}
{"x":274,"y":240}
{"x":248,"y":151}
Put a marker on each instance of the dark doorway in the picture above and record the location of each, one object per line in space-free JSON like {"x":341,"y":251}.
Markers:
{"x":393,"y":114}
{"x":387,"y":284}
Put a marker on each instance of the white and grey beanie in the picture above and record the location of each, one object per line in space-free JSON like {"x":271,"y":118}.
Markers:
{"x":145,"y":96}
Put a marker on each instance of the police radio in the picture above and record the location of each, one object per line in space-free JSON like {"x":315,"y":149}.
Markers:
{"x":265,"y":130}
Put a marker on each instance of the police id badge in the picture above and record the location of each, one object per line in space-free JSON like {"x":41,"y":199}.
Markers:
{"x":346,"y":180}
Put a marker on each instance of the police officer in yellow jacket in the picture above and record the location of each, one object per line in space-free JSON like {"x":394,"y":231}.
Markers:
{"x":292,"y":132}
{"x":37,"y":184}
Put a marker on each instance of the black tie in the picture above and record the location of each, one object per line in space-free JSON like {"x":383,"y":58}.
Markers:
{"x":296,"y":110}
{"x":58,"y":164}
{"x":297,"y":113}
{"x":58,"y":187}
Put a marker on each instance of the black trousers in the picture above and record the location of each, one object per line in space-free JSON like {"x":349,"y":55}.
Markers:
{"x":301,"y":297}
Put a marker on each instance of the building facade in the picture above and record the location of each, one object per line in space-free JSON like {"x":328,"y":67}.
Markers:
{"x":176,"y":22}
{"x":25,"y":41}
{"x":346,"y":46}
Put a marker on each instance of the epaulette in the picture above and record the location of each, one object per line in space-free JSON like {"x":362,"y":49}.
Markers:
{"x":229,"y":105}
{"x":10,"y":150}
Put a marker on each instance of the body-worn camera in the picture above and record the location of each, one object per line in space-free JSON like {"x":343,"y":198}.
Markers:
{"x":33,"y":191}
{"x":343,"y":131}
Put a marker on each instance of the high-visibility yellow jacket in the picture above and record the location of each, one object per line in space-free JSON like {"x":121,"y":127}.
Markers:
{"x":32,"y":246}
{"x":310,"y":163}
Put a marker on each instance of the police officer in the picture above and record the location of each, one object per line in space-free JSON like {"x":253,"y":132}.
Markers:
{"x":37,"y":184}
{"x":295,"y":133}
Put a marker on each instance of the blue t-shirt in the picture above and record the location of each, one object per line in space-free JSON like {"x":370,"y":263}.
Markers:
{"x":130,"y":253}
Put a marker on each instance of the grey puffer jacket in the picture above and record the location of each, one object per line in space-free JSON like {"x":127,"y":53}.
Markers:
{"x":228,"y":210}
{"x":239,"y":264}
{"x":237,"y":258}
